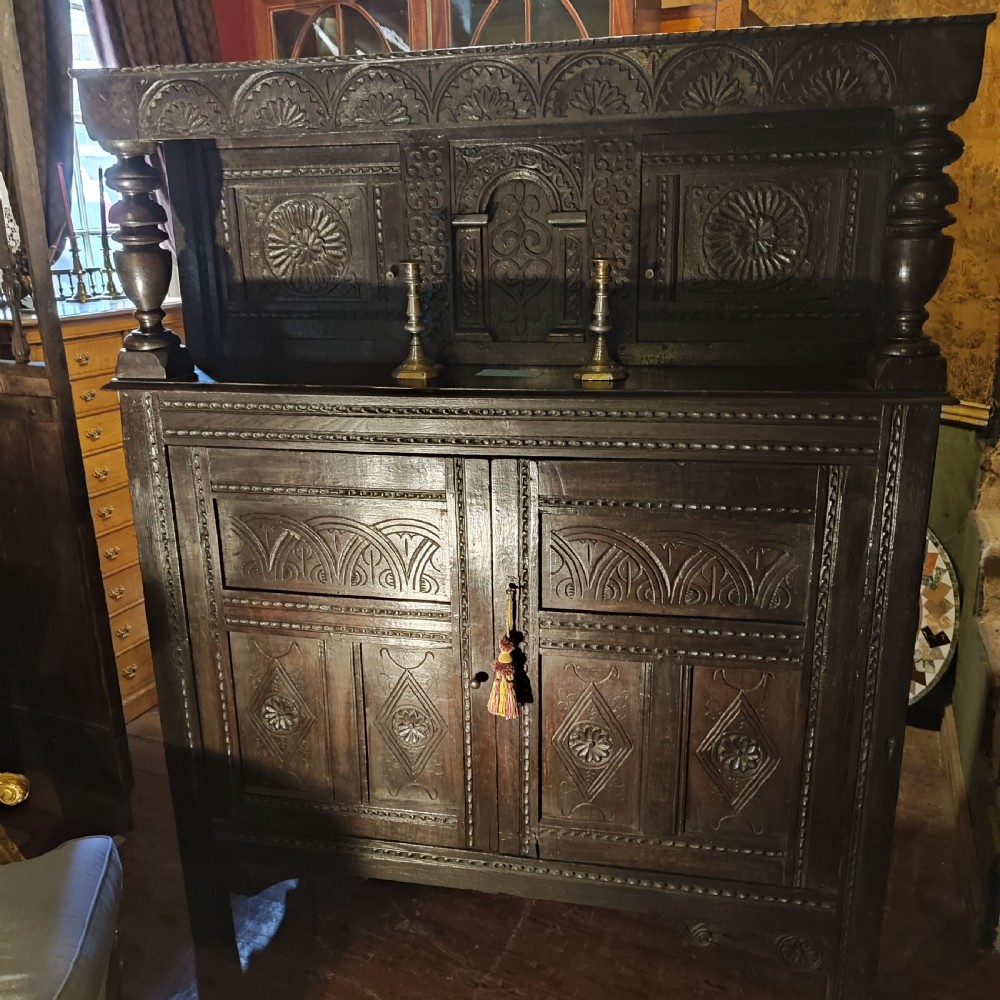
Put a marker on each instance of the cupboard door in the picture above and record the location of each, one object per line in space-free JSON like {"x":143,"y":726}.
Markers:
{"x":332,"y":648}
{"x":669,"y":613}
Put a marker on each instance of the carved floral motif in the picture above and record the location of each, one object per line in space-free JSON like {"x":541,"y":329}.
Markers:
{"x":412,"y":726}
{"x":595,"y":85}
{"x":485,"y":93}
{"x":280,"y":713}
{"x":306,"y":244}
{"x":712,"y":78}
{"x":379,"y":98}
{"x":591,"y":743}
{"x":757,"y":234}
{"x":278,"y":101}
{"x":799,"y":952}
{"x":182,"y":108}
{"x":837,"y":72}
{"x":738,"y":753}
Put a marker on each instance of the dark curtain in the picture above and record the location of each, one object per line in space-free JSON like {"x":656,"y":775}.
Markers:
{"x":43,"y":33}
{"x":153,"y":32}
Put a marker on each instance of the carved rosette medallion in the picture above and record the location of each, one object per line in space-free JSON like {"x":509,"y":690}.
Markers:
{"x":182,"y":108}
{"x":591,"y":743}
{"x":836,"y":73}
{"x":411,"y":725}
{"x":592,"y":86}
{"x":713,"y":78}
{"x":799,"y":952}
{"x":755,"y":234}
{"x":487,"y":93}
{"x":281,"y":717}
{"x":381,"y":98}
{"x":306,"y":245}
{"x":738,"y":753}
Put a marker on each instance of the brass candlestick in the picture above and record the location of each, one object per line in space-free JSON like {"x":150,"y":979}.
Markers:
{"x":417,"y":367}
{"x":81,"y":288}
{"x":601,"y":367}
{"x":110,"y":289}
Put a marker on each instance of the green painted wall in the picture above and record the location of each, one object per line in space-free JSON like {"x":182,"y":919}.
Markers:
{"x":957,"y":477}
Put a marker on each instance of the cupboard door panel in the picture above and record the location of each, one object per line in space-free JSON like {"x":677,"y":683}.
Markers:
{"x":592,"y":737}
{"x":743,"y":761}
{"x":412,"y":699}
{"x":282,"y":692}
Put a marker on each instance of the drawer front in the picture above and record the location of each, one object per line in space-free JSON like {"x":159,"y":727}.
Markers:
{"x":100,"y":432}
{"x":117,"y":550}
{"x":92,"y":356}
{"x":105,"y":471}
{"x":90,"y":396}
{"x":129,"y":628}
{"x":135,"y":669}
{"x":111,"y":511}
{"x":123,"y":589}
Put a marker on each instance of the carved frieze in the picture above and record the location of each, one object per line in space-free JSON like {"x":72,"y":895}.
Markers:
{"x":364,"y":551}
{"x":651,"y":568}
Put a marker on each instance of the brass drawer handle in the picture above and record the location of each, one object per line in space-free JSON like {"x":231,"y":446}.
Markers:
{"x":105,"y":512}
{"x":102,"y":473}
{"x":112,"y":554}
{"x":130,"y":671}
{"x":89,"y":396}
{"x":116,"y":593}
{"x":82,"y":359}
{"x":124,"y":632}
{"x":94,"y":433}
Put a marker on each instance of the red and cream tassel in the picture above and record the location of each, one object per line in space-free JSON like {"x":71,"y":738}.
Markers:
{"x":503,"y":697}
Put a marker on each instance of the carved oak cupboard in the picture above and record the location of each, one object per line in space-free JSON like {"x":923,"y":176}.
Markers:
{"x":709,"y":568}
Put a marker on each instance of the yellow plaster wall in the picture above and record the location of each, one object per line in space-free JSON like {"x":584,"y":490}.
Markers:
{"x":965,"y":314}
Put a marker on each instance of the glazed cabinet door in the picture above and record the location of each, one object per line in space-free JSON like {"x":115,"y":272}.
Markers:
{"x":676,"y":619}
{"x":331,"y":637}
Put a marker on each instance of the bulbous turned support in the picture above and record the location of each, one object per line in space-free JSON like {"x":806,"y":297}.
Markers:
{"x":601,"y":369}
{"x":151,"y":351}
{"x":917,"y":254}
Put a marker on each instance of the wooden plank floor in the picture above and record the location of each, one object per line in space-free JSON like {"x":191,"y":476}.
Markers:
{"x":370,"y":940}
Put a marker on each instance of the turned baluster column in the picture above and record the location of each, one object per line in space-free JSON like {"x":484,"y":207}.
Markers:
{"x":151,"y":351}
{"x":917,"y":253}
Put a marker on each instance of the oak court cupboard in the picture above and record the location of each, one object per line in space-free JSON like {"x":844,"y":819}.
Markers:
{"x":711,"y":565}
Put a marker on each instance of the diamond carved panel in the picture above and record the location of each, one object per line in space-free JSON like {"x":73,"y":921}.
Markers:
{"x":411,"y":725}
{"x":591,"y":743}
{"x":738,"y":753}
{"x":281,"y":717}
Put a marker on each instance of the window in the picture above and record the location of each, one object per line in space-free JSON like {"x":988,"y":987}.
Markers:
{"x":88,"y":159}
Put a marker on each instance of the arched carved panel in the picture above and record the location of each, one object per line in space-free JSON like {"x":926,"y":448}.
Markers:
{"x":713,"y":78}
{"x":183,"y":108}
{"x":278,"y":102}
{"x":832,"y":73}
{"x":486,"y":92}
{"x":381,"y":98}
{"x":597,"y":86}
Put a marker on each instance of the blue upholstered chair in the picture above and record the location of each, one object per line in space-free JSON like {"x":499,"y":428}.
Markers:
{"x":58,"y":914}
